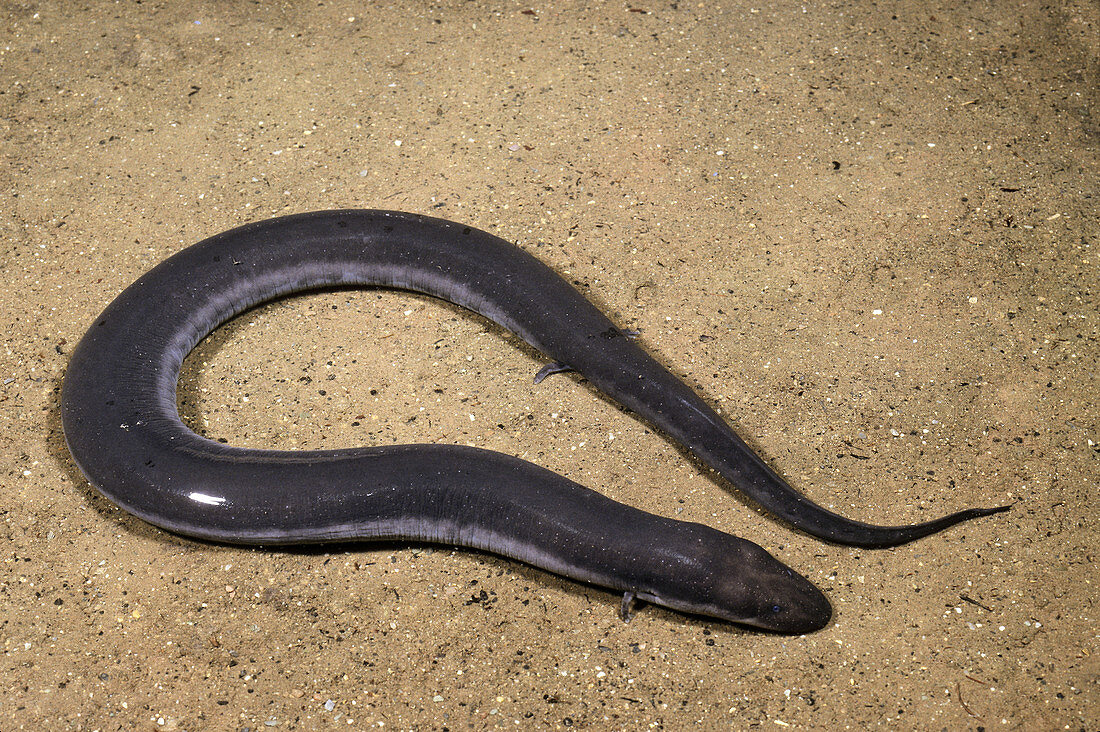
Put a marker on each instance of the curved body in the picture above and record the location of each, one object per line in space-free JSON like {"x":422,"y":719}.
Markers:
{"x":123,"y":429}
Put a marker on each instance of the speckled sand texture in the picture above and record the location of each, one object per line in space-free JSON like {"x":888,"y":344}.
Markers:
{"x":868,"y":232}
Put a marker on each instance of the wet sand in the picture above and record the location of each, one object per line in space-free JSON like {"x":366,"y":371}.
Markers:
{"x":867,"y":232}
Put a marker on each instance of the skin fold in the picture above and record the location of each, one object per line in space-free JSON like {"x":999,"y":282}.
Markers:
{"x":123,"y":429}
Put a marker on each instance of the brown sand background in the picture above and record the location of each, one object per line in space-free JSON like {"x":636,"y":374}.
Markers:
{"x":867,"y":231}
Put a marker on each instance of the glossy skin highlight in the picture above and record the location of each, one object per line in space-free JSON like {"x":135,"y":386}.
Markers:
{"x":123,"y":430}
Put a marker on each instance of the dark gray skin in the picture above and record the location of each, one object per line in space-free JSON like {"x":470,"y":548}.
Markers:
{"x":121,"y":423}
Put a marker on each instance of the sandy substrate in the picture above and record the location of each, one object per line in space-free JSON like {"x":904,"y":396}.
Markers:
{"x":867,"y":231}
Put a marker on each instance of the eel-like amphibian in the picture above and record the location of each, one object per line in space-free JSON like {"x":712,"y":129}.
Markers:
{"x":123,"y":429}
